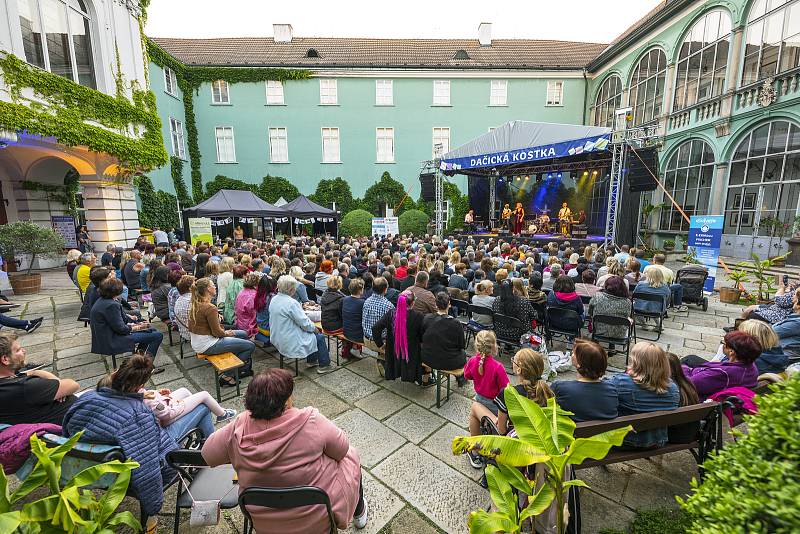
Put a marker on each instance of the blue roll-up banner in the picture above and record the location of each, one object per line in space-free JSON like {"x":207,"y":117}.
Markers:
{"x":521,"y":155}
{"x":705,"y":237}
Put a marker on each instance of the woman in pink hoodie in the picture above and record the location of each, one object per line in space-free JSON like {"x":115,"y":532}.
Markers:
{"x":275,"y":445}
{"x":245,"y":308}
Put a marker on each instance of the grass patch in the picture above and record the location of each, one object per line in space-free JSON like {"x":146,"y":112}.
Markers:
{"x":659,"y":521}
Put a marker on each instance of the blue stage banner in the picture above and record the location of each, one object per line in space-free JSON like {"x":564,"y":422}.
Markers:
{"x":705,"y":237}
{"x":558,"y":150}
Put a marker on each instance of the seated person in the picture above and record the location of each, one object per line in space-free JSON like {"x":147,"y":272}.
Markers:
{"x":653,"y":284}
{"x":528,"y":368}
{"x":564,"y":296}
{"x":274,"y":444}
{"x":613,"y":301}
{"x":457,"y":279}
{"x":483,"y":297}
{"x":536,"y":296}
{"x":160,"y":288}
{"x":590,"y":397}
{"x":264,"y":292}
{"x":587,"y":286}
{"x":738,"y":368}
{"x":685,"y":433}
{"x":28,"y":397}
{"x":402,"y":330}
{"x":443,"y":342}
{"x":646,"y":387}
{"x":512,"y":305}
{"x":772,"y":358}
{"x":352,"y":312}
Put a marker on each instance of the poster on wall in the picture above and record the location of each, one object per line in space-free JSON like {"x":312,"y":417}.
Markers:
{"x":200,"y":230}
{"x":384,"y":226}
{"x":705,"y":238}
{"x":65,"y":226}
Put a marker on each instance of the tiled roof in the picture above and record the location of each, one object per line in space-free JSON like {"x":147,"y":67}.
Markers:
{"x":367,"y":52}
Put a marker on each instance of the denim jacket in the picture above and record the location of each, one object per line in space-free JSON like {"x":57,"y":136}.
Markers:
{"x":634,"y":399}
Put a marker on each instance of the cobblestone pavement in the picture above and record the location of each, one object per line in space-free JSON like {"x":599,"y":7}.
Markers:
{"x":412,"y":481}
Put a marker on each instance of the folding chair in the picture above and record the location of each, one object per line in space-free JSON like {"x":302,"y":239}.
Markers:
{"x":284,"y":499}
{"x":470,"y":329}
{"x":562,"y":322}
{"x":508,"y":323}
{"x":461,"y":306}
{"x":657,"y":316}
{"x":614,"y":321}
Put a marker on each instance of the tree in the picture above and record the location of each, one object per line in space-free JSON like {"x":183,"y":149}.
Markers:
{"x":413,"y":222}
{"x":356,"y":223}
{"x":159,"y":208}
{"x":334,"y":190}
{"x":389,"y":191}
{"x":28,"y":238}
{"x":459,"y":205}
{"x":274,"y":187}
{"x":221,"y":182}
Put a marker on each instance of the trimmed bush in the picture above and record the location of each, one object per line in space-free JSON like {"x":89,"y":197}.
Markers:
{"x":413,"y":222}
{"x":356,"y":223}
{"x":752,"y":486}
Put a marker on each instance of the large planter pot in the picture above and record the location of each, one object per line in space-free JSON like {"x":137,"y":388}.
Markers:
{"x":794,"y":248}
{"x":729,"y":295}
{"x":26,"y":284}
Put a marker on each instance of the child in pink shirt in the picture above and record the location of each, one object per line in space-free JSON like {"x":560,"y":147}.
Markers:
{"x":168,"y":406}
{"x":489,"y":375}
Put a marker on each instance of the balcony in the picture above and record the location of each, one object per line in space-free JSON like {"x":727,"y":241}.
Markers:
{"x":705,"y":111}
{"x":783,"y":87}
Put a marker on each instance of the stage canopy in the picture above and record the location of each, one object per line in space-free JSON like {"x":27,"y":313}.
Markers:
{"x":524,"y":143}
{"x":305,"y":208}
{"x":234,"y":203}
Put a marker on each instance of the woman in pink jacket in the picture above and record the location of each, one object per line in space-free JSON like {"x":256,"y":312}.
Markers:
{"x":245,"y":308}
{"x":275,"y":445}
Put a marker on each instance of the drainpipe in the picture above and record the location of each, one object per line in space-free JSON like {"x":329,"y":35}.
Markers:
{"x":585,"y":94}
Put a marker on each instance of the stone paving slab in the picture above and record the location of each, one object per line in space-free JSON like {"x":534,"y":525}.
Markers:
{"x":410,"y":521}
{"x":308,"y":393}
{"x":347,"y":385}
{"x":373,"y":440}
{"x":366,"y":367}
{"x":439,"y":444}
{"x":423,"y":396}
{"x":382,"y":404}
{"x":414,"y":422}
{"x":431,"y":486}
{"x":382,"y":503}
{"x":456,"y":409}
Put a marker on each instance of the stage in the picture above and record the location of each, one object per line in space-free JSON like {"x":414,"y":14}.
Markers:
{"x":532,"y":239}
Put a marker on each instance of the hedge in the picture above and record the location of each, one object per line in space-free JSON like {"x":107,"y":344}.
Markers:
{"x":356,"y":223}
{"x":413,"y":222}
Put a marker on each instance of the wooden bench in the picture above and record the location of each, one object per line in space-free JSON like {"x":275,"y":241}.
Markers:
{"x":440,"y":373}
{"x":708,"y":439}
{"x":222,"y":363}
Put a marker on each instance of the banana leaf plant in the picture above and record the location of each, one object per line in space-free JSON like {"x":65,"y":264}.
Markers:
{"x":545,"y":435}
{"x":70,"y":507}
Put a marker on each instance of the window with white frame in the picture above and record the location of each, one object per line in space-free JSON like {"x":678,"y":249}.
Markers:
{"x":646,"y":96}
{"x":56,"y":38}
{"x":176,"y":135}
{"x":555,"y":93}
{"x":327,"y":92}
{"x":441,"y":92}
{"x":441,"y":136}
{"x":772,"y":41}
{"x":226,"y":148}
{"x":384,"y":95}
{"x":330,"y":145}
{"x":170,"y":82}
{"x":278,"y":145}
{"x":384,"y":140}
{"x":275,"y":93}
{"x":608,"y":101}
{"x":688,"y":177}
{"x":498,"y":93}
{"x":219,"y":92}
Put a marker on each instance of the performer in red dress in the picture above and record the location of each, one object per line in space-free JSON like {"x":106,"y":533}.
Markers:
{"x":519,"y":218}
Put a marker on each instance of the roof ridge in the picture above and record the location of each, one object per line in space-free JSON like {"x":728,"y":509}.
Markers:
{"x":399,"y":39}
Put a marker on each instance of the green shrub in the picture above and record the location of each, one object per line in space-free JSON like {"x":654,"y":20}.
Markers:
{"x":334,"y":190}
{"x":356,"y":223}
{"x":413,"y":222}
{"x":753,"y":485}
{"x":389,"y":191}
{"x":274,"y":187}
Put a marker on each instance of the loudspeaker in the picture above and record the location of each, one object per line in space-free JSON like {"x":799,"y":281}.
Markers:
{"x":427,"y":182}
{"x":640,"y":166}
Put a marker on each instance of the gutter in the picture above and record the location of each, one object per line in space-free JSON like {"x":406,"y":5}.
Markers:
{"x":585,"y":94}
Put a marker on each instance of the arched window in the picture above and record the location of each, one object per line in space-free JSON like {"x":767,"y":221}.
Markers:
{"x":764,"y":178}
{"x":703,"y":60}
{"x":609,"y":99}
{"x":772,"y":39}
{"x":56,"y":37}
{"x":647,"y":87}
{"x":688,"y":177}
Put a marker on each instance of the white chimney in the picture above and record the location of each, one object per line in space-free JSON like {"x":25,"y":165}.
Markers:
{"x":485,"y":33}
{"x":282,"y":33}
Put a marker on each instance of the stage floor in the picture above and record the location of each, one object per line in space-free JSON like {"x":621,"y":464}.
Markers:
{"x":542,"y":239}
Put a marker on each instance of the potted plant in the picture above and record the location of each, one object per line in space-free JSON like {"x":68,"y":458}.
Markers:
{"x":764,"y":281}
{"x":777,"y":229}
{"x":669,"y":245}
{"x":25,"y":238}
{"x":731,"y":295}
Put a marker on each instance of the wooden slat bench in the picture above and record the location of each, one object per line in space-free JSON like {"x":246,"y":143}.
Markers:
{"x":440,"y":374}
{"x":222,"y":363}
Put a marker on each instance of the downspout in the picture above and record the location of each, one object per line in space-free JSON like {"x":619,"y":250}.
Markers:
{"x":585,"y":94}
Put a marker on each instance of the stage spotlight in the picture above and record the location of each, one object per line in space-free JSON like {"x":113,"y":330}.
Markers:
{"x":594,"y":173}
{"x":550,"y":176}
{"x":559,"y":176}
{"x":527,"y":178}
{"x":538,"y":178}
{"x":586,"y":173}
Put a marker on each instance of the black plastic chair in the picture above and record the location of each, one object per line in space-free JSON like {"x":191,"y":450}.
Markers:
{"x":461,"y":306}
{"x":509,"y":323}
{"x":657,"y":316}
{"x":205,"y":483}
{"x":614,"y":321}
{"x":563,"y":322}
{"x":474,"y":309}
{"x":284,"y":499}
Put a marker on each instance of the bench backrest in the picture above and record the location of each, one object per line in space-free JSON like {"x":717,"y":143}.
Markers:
{"x":649,"y":420}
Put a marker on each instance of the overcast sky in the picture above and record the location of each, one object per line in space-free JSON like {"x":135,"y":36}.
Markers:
{"x":572,"y":20}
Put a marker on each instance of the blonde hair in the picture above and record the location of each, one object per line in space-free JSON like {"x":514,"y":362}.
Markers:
{"x":500,"y":275}
{"x":485,"y":345}
{"x":762,"y":331}
{"x":531,"y":367}
{"x":483,"y":287}
{"x":296,"y":272}
{"x":199,"y":295}
{"x":334,"y":283}
{"x":519,"y":288}
{"x":654,"y":277}
{"x":278,"y":267}
{"x":226,"y":265}
{"x":649,"y":367}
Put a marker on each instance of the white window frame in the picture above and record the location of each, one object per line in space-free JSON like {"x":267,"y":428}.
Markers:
{"x":326,"y":134}
{"x":170,"y":82}
{"x":384,"y":134}
{"x":221,"y":84}
{"x":177,"y":139}
{"x":328,"y":92}
{"x":278,"y":153}
{"x":441,"y":97}
{"x":275,"y":96}
{"x":217,"y":131}
{"x":435,"y":138}
{"x":384,"y":97}
{"x":551,"y":88}
{"x":498,"y":93}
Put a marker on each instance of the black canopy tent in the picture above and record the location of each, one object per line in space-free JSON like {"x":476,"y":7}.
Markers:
{"x":235,"y":204}
{"x":302,"y":208}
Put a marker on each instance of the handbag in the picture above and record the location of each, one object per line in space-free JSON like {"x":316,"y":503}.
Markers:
{"x":204,"y":513}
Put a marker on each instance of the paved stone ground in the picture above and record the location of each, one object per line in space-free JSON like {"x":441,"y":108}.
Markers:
{"x":412,"y":481}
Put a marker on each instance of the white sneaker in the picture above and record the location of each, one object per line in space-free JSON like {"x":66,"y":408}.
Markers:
{"x":360,"y":521}
{"x":311,"y":365}
{"x":325,"y":370}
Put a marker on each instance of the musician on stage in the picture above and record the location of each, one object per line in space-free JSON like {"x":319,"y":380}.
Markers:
{"x":565,"y":218}
{"x":506,"y":217}
{"x":519,"y":218}
{"x":469,"y":220}
{"x":581,"y":217}
{"x":544,"y":223}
